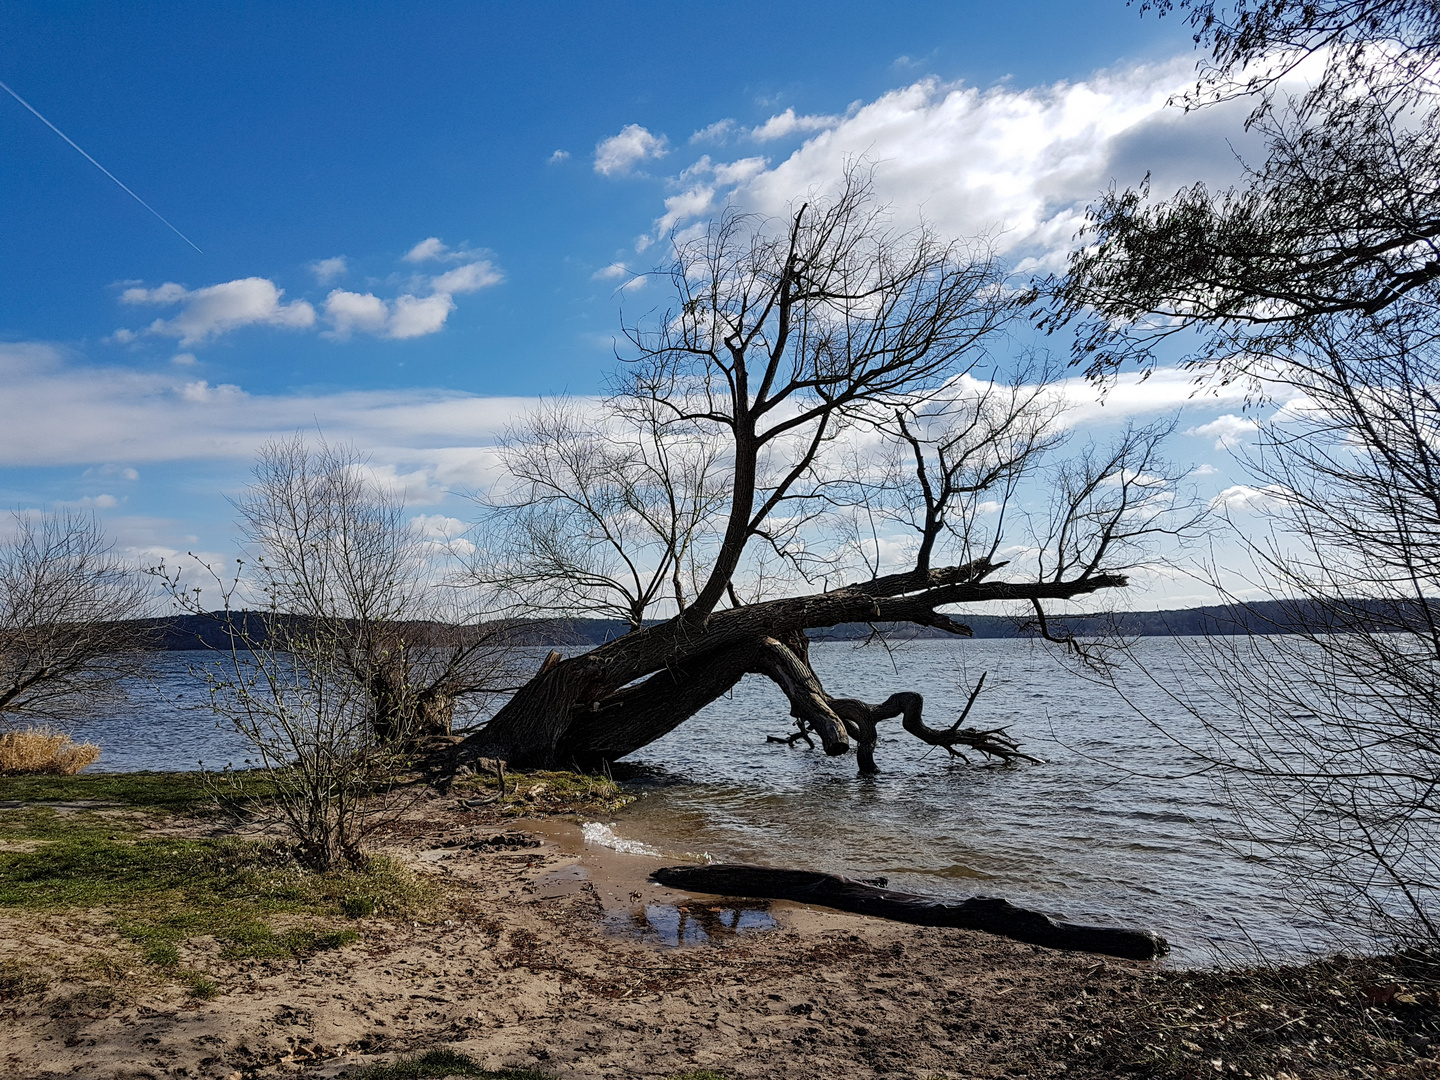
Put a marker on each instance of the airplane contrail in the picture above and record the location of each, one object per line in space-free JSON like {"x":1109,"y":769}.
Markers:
{"x":97,"y":164}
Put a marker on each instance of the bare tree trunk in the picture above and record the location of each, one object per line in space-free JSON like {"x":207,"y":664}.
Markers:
{"x":613,"y":700}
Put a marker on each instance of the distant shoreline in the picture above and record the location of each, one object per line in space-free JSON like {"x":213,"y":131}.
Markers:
{"x":214,"y":631}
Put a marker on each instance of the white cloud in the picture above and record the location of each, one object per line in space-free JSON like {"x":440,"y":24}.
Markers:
{"x":787,"y":123}
{"x":111,"y":472}
{"x":718,"y":132}
{"x":416,"y":316}
{"x":472,"y":277}
{"x":426,"y":250}
{"x":201,"y":392}
{"x":1015,"y":165}
{"x":611,"y":272}
{"x":169,"y":293}
{"x":351,"y":311}
{"x":620,"y":153}
{"x":699,"y":183}
{"x":1229,"y":430}
{"x":1166,"y":389}
{"x":329,"y":270}
{"x":1243,"y":497}
{"x":438,"y":526}
{"x":96,"y":502}
{"x":148,"y":417}
{"x":184,"y":359}
{"x":559,"y":156}
{"x":405,"y":317}
{"x":218,"y":309}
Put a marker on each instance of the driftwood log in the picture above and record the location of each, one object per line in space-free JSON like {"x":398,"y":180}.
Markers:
{"x":990,"y":914}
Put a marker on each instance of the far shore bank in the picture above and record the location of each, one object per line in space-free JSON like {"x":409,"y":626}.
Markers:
{"x":217,"y":630}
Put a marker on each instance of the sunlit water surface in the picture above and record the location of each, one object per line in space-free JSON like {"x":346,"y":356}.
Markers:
{"x":1115,"y":826}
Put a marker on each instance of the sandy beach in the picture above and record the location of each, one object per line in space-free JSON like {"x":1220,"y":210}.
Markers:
{"x":553,"y":955}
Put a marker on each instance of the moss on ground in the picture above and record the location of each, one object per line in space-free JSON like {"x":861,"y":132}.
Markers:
{"x":161,"y":892}
{"x":528,"y":794}
{"x":1332,"y":1018}
{"x":440,"y":1063}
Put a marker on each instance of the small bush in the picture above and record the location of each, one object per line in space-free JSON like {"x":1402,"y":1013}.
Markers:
{"x":201,"y":987}
{"x":357,"y":907}
{"x":162,"y":954}
{"x":441,"y":1063}
{"x":43,"y":750}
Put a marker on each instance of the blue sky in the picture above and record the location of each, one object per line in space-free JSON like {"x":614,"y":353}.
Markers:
{"x":415,"y":218}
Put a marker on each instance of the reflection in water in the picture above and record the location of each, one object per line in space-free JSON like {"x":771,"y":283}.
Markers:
{"x":691,"y":924}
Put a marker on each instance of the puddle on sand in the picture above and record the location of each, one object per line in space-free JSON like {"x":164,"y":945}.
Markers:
{"x":691,"y":923}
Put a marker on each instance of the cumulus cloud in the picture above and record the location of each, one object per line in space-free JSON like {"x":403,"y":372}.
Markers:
{"x":788,"y":123}
{"x":352,"y":311}
{"x":95,"y":502}
{"x":1166,"y":389}
{"x":438,"y":526}
{"x":472,"y":277}
{"x":329,"y":270}
{"x":416,"y":316}
{"x":426,"y":250}
{"x":1244,"y":498}
{"x":1015,"y":165}
{"x":407,"y":316}
{"x":218,"y":309}
{"x":559,"y":156}
{"x":699,"y":185}
{"x":620,"y":153}
{"x":184,"y":359}
{"x":1229,"y":430}
{"x":201,"y":392}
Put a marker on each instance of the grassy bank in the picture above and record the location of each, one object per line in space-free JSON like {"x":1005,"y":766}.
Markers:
{"x":160,"y":905}
{"x":143,"y":861}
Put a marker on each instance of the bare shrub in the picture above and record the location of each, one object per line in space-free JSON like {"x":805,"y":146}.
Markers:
{"x":67,"y":639}
{"x":361,"y":652}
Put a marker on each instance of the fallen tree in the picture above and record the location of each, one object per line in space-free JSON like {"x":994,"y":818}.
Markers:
{"x":591,"y":709}
{"x":991,"y":914}
{"x":824,"y":378}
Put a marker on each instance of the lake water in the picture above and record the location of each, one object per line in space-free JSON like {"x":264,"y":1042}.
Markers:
{"x":1113,"y":826}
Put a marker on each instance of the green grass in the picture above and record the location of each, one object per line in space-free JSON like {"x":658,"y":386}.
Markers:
{"x":440,"y":1063}
{"x":159,"y":892}
{"x":159,"y":791}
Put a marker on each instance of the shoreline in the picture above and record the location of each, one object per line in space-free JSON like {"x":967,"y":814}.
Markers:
{"x":528,"y":962}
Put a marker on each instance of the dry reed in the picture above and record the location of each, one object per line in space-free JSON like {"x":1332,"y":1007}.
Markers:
{"x":43,"y":750}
